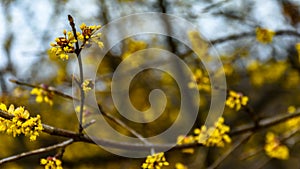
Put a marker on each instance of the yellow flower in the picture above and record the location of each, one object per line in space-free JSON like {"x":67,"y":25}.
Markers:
{"x":298,"y":50}
{"x":236,"y":100}
{"x":42,"y":96}
{"x":21,"y":123}
{"x":132,"y":46}
{"x":213,"y":136}
{"x":186,"y":140}
{"x":88,"y":33}
{"x":202,"y":81}
{"x":155,"y":161}
{"x":87,"y":85}
{"x":274,"y":148}
{"x":51,"y":163}
{"x":264,"y":35}
{"x":63,"y":45}
{"x":180,"y":166}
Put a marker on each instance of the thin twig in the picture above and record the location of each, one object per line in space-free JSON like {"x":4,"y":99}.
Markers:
{"x":105,"y":114}
{"x":77,"y":52}
{"x":229,"y":151}
{"x":252,"y":34}
{"x":265,"y":123}
{"x":37,"y":151}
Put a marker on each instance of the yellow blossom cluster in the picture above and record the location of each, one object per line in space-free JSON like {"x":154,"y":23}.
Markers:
{"x":88,"y":32}
{"x":21,"y":123}
{"x":132,"y":46}
{"x":264,"y":36}
{"x":42,"y":95}
{"x":202,"y":81}
{"x":298,"y":50}
{"x":181,"y":140}
{"x":274,"y":148}
{"x":216,"y":135}
{"x":180,"y":166}
{"x":64,"y":45}
{"x":261,"y":73}
{"x":213,"y":136}
{"x":236,"y":100}
{"x":155,"y":161}
{"x":87,"y":85}
{"x":51,"y":163}
{"x":293,"y":123}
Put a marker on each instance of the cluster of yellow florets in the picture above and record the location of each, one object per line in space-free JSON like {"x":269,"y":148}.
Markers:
{"x":21,"y":123}
{"x":155,"y":161}
{"x":180,"y":166}
{"x":51,"y":163}
{"x":274,"y":148}
{"x":264,"y":35}
{"x":261,"y":73}
{"x":212,"y":136}
{"x":87,"y":85}
{"x":236,"y":100}
{"x":132,"y":46}
{"x":42,"y":95}
{"x":298,"y":50}
{"x":88,"y":32}
{"x":202,"y":81}
{"x":64,"y":45}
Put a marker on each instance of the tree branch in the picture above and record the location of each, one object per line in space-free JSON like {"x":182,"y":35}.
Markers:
{"x":37,"y":151}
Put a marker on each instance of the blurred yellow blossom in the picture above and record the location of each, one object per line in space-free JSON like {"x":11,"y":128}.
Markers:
{"x":216,"y":135}
{"x":202,"y":81}
{"x":87,"y":85}
{"x":132,"y":46}
{"x":261,"y":73}
{"x":264,"y":35}
{"x":51,"y":163}
{"x":274,"y":148}
{"x":186,"y":140}
{"x":236,"y":100}
{"x":213,"y":136}
{"x":180,"y":166}
{"x":155,"y":161}
{"x":42,"y":95}
{"x":298,"y":50}
{"x":21,"y":123}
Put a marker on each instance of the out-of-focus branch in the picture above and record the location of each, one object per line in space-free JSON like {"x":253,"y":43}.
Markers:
{"x":252,"y":34}
{"x":37,"y":151}
{"x":265,"y":123}
{"x":107,"y":115}
{"x":229,"y":151}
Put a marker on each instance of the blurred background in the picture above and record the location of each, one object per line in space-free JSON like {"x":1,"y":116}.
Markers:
{"x":268,"y":73}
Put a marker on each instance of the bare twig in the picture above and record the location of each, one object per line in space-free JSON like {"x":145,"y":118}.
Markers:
{"x":107,"y":115}
{"x":252,"y":34}
{"x":77,"y":52}
{"x":265,"y":123}
{"x":37,"y":151}
{"x":229,"y":151}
